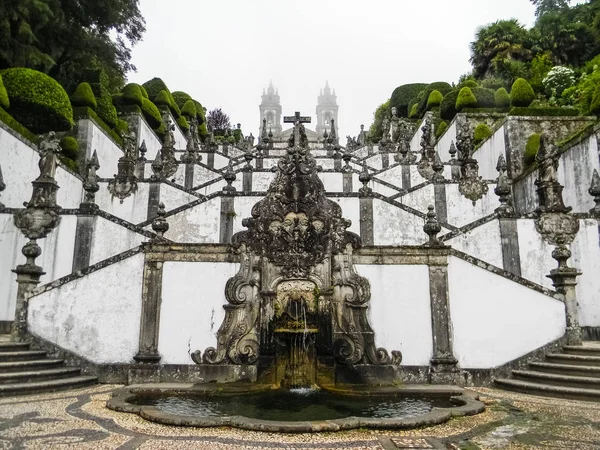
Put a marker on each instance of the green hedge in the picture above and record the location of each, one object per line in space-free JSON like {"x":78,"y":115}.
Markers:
{"x":481,"y":133}
{"x":183,"y":124}
{"x":37,"y":101}
{"x":151,"y":114}
{"x":423,"y":96}
{"x":501,"y":98}
{"x":485,"y":97}
{"x":70,"y":147}
{"x":12,"y":123}
{"x":595,"y":104}
{"x":448,"y":105}
{"x":4,"y":100}
{"x":181,"y":98}
{"x":154,"y":87}
{"x":470,"y":83}
{"x":521,"y":93}
{"x":485,"y":110}
{"x":414,"y":112}
{"x":83,"y":95}
{"x":465,"y":99}
{"x":84,"y":112}
{"x":544,"y":112}
{"x":200,"y":115}
{"x":132,"y":94}
{"x":531,"y":149}
{"x":403,"y":96}
{"x":435,"y":99}
{"x":144,"y":92}
{"x":189,"y":109}
{"x":441,"y":128}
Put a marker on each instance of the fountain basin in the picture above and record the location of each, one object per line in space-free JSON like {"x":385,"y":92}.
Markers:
{"x":261,"y":408}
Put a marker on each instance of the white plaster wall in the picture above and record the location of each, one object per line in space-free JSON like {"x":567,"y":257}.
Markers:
{"x":134,"y":208}
{"x":483,"y":242}
{"x":375,"y":161}
{"x":96,"y":317}
{"x":415,"y":142}
{"x":190,"y":317}
{"x":495,"y":320}
{"x":220,"y":161}
{"x":153,"y":143}
{"x":536,"y":255}
{"x":415,"y":176}
{"x":487,"y":155}
{"x":461,"y":210}
{"x":575,"y":171}
{"x":243,"y":208}
{"x":400,"y":317}
{"x":56,"y":258}
{"x":333,"y":181}
{"x":70,"y":193}
{"x":108,"y":152}
{"x":179,"y":176}
{"x":524,"y":193}
{"x":327,"y":164}
{"x":419,"y":199}
{"x":586,"y":258}
{"x":203,"y":175}
{"x":394,"y":226}
{"x":173,"y":197}
{"x":110,"y":239}
{"x":392,"y":176}
{"x":351,"y":211}
{"x":445,"y":141}
{"x":199,"y":224}
{"x":381,"y":189}
{"x":262,"y":180}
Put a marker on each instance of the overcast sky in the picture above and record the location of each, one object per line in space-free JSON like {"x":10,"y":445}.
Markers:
{"x":224,"y":52}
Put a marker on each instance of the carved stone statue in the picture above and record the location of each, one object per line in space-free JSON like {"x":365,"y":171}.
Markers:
{"x":129,"y":144}
{"x":362,"y":136}
{"x":49,"y":147}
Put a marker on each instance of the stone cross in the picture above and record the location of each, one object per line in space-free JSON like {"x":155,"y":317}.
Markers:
{"x":296,"y":119}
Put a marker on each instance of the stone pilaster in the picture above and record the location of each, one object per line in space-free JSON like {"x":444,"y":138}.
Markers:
{"x":441,"y":208}
{"x":210,"y":159}
{"x":509,"y":238}
{"x":153,"y":199}
{"x":385,"y":160}
{"x":84,"y":236}
{"x":347,"y":182}
{"x":406,"y":180}
{"x":150,"y":318}
{"x":189,"y":176}
{"x":227,"y":217}
{"x":366,"y":220}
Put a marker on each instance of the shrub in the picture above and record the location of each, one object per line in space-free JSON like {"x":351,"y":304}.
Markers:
{"x":183,"y":124}
{"x":501,"y":98}
{"x":403,"y":95}
{"x":144,"y":92}
{"x":521,"y":93}
{"x":189,"y":109}
{"x":485,"y":97}
{"x":435,"y":99}
{"x":99,"y":82}
{"x":154,"y":87}
{"x":107,"y":111}
{"x":37,"y":101}
{"x":200,"y":114}
{"x":470,"y":83}
{"x":70,"y":147}
{"x":84,"y":96}
{"x":181,"y":98}
{"x":71,"y":164}
{"x":441,"y":128}
{"x":162,"y":99}
{"x":423,"y":96}
{"x":448,"y":105}
{"x":595,"y":105}
{"x":481,"y":133}
{"x":557,"y":80}
{"x":531,"y":149}
{"x":414,"y":112}
{"x":151,"y":114}
{"x":202,"y":130}
{"x":132,"y":94}
{"x":10,"y":121}
{"x":493,"y":83}
{"x":85,"y":112}
{"x":465,"y":99}
{"x":122,"y":127}
{"x":4,"y":100}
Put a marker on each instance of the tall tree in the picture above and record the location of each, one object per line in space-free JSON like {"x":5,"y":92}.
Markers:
{"x":496,"y":45}
{"x":64,"y":37}
{"x":218,"y":121}
{"x":548,"y":6}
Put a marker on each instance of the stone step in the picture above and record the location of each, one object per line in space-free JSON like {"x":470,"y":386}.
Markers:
{"x":37,"y":375}
{"x":557,"y":379}
{"x":548,"y":390}
{"x":573,"y":359}
{"x":25,"y":355}
{"x":566,"y":369}
{"x":21,"y":366}
{"x":13,"y":346}
{"x":34,"y":387}
{"x":583,"y":350}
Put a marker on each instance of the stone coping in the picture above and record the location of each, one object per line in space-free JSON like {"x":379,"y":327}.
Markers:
{"x":467,"y":404}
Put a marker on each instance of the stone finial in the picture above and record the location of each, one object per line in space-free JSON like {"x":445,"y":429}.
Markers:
{"x":157,"y":167}
{"x":452,"y":153}
{"x":229,"y":176}
{"x":248,"y":157}
{"x":438,"y":169}
{"x":142,"y":151}
{"x":264,"y":137}
{"x":90,"y":184}
{"x":432,"y":228}
{"x":2,"y":186}
{"x":503,"y":189}
{"x":160,"y":224}
{"x":365,"y":178}
{"x":347,"y":157}
{"x":594,"y":191}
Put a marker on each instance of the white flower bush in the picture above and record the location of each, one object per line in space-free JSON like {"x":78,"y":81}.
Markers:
{"x":558,"y":79}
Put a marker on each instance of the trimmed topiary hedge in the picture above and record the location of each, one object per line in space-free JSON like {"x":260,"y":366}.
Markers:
{"x":132,"y":94}
{"x":162,"y":99}
{"x":181,"y":98}
{"x":435,"y":99}
{"x":85,"y":112}
{"x":144,"y":92}
{"x":531,"y":149}
{"x":521,"y":93}
{"x":485,"y":97}
{"x":151,"y":114}
{"x":13,"y":124}
{"x":37,"y":101}
{"x":481,"y":133}
{"x":154,"y":87}
{"x":414,"y":112}
{"x":189,"y":109}
{"x":441,"y":128}
{"x":465,"y":99}
{"x":83,"y":95}
{"x":423,"y":96}
{"x":501,"y":98}
{"x":470,"y":83}
{"x":403,"y":96}
{"x":183,"y":124}
{"x":70,"y":147}
{"x":4,"y":100}
{"x":448,"y":105}
{"x":544,"y":112}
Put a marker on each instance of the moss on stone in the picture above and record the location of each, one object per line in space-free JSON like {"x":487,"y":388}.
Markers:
{"x":37,"y":101}
{"x":501,"y":98}
{"x":465,"y":99}
{"x":521,"y":93}
{"x":595,"y":104}
{"x":544,"y":112}
{"x":531,"y":149}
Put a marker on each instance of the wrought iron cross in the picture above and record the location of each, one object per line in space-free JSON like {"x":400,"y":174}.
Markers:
{"x":297,"y":119}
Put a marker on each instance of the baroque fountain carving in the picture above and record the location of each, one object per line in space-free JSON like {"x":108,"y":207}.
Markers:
{"x":297,"y":304}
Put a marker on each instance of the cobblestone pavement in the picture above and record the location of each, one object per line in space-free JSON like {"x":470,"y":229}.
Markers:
{"x":78,"y":419}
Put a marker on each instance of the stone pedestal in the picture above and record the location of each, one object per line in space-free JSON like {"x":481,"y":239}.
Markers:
{"x":564,"y":280}
{"x":28,"y":277}
{"x":150,"y":318}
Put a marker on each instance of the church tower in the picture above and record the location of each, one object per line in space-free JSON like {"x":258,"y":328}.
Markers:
{"x":270,"y":109}
{"x":327,"y":109}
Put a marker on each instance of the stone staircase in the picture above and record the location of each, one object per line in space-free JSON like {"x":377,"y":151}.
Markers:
{"x":24,"y":371}
{"x":573,"y":374}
